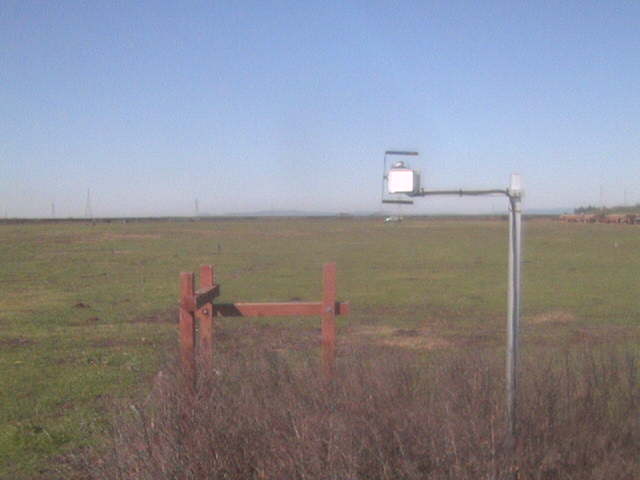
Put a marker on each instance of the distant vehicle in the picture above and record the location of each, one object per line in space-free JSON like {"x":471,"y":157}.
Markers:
{"x":392,"y":219}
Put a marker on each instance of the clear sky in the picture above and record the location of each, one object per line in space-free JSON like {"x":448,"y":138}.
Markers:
{"x":290,"y":104}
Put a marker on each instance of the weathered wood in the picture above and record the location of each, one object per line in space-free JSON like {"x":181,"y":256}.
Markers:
{"x":205,"y":317}
{"x":198,"y":304}
{"x":200,"y":298}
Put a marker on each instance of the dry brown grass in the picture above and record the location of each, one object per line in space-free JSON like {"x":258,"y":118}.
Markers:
{"x":390,"y":414}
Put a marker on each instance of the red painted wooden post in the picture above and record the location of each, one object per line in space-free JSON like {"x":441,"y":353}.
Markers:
{"x":187,"y":328}
{"x":205,"y":317}
{"x":198,"y":305}
{"x":329,"y":320}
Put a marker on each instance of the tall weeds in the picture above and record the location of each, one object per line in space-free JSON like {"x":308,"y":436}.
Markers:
{"x":388,"y":415}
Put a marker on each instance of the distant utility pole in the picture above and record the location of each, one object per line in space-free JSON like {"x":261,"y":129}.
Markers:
{"x":625,"y":197}
{"x":53,"y":209}
{"x":601,"y":197}
{"x":197,"y":208}
{"x":88,"y":212}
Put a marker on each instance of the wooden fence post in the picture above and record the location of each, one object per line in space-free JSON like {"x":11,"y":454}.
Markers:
{"x":329,"y":320}
{"x":187,"y":328}
{"x":198,"y":305}
{"x":205,"y":317}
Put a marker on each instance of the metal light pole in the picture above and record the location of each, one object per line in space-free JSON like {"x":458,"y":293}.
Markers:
{"x":514,"y":193}
{"x":514,"y":290}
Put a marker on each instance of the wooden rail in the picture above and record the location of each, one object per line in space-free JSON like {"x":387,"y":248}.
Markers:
{"x":198,"y":305}
{"x":283,"y":309}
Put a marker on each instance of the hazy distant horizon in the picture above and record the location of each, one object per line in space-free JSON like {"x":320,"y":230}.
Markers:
{"x":250,"y":106}
{"x":298,"y":213}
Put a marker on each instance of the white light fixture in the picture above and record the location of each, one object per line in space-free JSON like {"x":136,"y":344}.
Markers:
{"x":399,"y":179}
{"x":515,"y":186}
{"x":402,"y":179}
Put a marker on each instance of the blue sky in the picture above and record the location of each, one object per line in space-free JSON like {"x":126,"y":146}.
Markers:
{"x":290,"y":105}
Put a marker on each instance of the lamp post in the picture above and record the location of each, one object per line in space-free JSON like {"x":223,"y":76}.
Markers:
{"x":401,"y":179}
{"x":514,"y":193}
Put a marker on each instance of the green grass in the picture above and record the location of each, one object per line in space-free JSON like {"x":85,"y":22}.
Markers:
{"x":63,"y":364}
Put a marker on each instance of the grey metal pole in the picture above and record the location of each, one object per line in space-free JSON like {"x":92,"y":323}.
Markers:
{"x":514,"y":194}
{"x":514,"y":297}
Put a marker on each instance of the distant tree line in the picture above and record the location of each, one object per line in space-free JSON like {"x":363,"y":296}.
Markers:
{"x":615,"y":209}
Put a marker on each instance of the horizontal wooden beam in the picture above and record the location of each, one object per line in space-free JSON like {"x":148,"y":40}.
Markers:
{"x":201,"y":297}
{"x":282,"y":309}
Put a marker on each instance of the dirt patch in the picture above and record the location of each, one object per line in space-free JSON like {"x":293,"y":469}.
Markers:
{"x":16,"y":342}
{"x":554,"y":317}
{"x":415,"y":339}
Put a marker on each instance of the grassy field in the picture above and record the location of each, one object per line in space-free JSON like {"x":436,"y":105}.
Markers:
{"x":87,"y":312}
